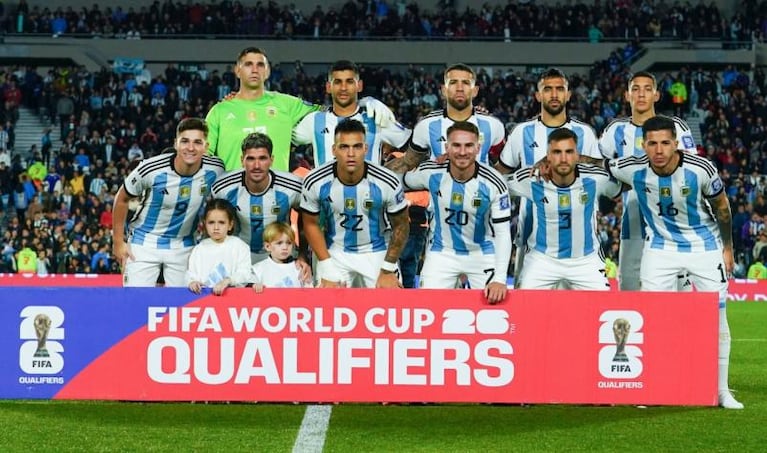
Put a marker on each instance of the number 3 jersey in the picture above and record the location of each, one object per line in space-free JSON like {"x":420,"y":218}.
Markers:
{"x":564,"y":218}
{"x":353,"y":217}
{"x":171,"y":203}
{"x":674,"y":207}
{"x":462,"y":213}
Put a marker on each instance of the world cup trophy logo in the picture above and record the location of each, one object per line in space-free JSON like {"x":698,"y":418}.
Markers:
{"x":42,"y":327}
{"x":621,"y":329}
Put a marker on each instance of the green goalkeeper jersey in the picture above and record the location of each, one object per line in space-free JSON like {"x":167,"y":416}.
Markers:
{"x":273,"y":114}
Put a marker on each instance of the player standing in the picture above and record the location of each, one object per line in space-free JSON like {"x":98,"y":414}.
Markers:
{"x":173,"y":188}
{"x":346,"y":206}
{"x":623,"y":137}
{"x":317,"y":128}
{"x":470,"y":217}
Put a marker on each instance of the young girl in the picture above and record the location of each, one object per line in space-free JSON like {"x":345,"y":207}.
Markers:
{"x":278,"y":270}
{"x":220,"y":260}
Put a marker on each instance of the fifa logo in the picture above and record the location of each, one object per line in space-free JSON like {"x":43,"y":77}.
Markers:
{"x":620,"y":332}
{"x":41,"y":331}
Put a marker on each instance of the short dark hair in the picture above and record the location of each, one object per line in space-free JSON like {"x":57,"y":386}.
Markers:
{"x":647,"y":74}
{"x":463,"y":126}
{"x":459,"y":67}
{"x":222,"y":204}
{"x":192,"y":124}
{"x":658,"y":123}
{"x":349,"y":127}
{"x":256,"y":50}
{"x":257,"y":140}
{"x":552,"y":73}
{"x":562,"y":133}
{"x":343,"y":65}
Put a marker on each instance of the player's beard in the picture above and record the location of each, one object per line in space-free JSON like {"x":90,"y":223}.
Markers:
{"x":347,"y":102}
{"x":554,"y":111}
{"x":459,"y":105}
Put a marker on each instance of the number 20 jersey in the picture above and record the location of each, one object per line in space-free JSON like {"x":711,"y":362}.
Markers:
{"x":169,"y":212}
{"x":462,"y":213}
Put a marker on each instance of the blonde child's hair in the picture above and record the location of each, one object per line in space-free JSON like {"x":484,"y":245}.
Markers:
{"x":275,"y":230}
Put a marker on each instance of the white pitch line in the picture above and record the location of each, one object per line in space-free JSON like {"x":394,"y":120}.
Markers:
{"x":314,"y":426}
{"x":751,"y":340}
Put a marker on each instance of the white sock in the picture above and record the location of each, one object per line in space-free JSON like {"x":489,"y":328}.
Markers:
{"x":724,"y":351}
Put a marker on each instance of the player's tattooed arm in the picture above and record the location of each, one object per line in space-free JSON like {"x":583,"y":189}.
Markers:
{"x":723,"y":214}
{"x":407,"y":162}
{"x":400,"y":223}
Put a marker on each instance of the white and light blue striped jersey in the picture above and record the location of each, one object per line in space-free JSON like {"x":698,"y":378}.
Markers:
{"x":674,"y":207}
{"x":171,"y":203}
{"x":564,"y":219}
{"x":527,"y":144}
{"x":256,"y":211}
{"x":353,"y":217}
{"x":318,"y":129}
{"x":462,"y":214}
{"x":623,"y":138}
{"x":430,"y":134}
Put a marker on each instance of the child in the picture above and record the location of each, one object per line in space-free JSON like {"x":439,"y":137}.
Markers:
{"x":278,"y":270}
{"x":220,"y":260}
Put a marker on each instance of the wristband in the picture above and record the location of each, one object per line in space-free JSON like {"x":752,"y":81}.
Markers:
{"x":327,"y":270}
{"x":389,"y":267}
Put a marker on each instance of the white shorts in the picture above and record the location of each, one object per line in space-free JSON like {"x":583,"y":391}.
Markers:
{"x":541,"y":271}
{"x":661,"y":270}
{"x":145,"y":269}
{"x":357,"y":270}
{"x":442,"y":269}
{"x":630,"y":265}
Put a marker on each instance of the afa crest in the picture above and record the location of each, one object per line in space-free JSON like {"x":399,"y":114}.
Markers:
{"x":456,"y":198}
{"x":665,"y":191}
{"x":350,"y":204}
{"x":256,"y":209}
{"x":564,"y":200}
{"x":184,"y":191}
{"x":639,"y":143}
{"x":252,"y":115}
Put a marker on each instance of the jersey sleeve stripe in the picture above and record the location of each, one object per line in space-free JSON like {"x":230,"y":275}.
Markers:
{"x":154,"y":163}
{"x":493,"y":177}
{"x":317,"y":175}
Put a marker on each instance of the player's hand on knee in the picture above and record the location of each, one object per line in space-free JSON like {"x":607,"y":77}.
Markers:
{"x":388,"y":280}
{"x":495,"y":292}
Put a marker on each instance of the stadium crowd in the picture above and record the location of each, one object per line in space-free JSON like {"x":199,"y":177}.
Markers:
{"x":399,"y":19}
{"x":57,"y":197}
